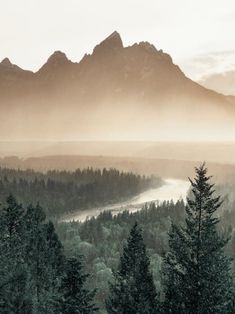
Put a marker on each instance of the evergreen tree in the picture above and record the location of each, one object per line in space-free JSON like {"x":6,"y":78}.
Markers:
{"x":55,"y":255}
{"x":14,"y":286}
{"x":12,"y":219}
{"x":41,"y":249}
{"x":76,"y":299}
{"x":31,"y":261}
{"x":196,"y":271}
{"x":133,"y":290}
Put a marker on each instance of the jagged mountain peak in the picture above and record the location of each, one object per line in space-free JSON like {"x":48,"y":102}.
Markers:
{"x":114,"y":36}
{"x":6,"y":62}
{"x":147,"y":45}
{"x":139,"y":71}
{"x":8,"y":66}
{"x":58,"y":60}
{"x":150,"y":49}
{"x":58,"y":57}
{"x":112,"y":42}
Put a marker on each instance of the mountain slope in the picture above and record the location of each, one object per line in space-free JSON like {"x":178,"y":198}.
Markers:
{"x":103,"y":92}
{"x":221,"y":82}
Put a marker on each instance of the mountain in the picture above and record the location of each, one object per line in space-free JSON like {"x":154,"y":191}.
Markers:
{"x":220,"y":82}
{"x":116,"y":92}
{"x":12,"y":77}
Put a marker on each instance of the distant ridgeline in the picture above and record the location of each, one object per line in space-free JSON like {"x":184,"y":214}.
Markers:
{"x":61,"y":192}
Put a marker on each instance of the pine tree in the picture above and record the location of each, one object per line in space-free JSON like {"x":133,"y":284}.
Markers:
{"x":133,"y":290}
{"x":76,"y":299}
{"x":14,"y":286}
{"x":31,"y":261}
{"x":12,"y":218}
{"x":55,"y":254}
{"x":196,"y":271}
{"x":41,"y":249}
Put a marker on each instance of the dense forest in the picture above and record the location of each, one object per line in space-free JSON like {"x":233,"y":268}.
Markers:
{"x":100,"y":241}
{"x":35,"y":275}
{"x":170,"y":258}
{"x":175,"y":167}
{"x":62,"y":192}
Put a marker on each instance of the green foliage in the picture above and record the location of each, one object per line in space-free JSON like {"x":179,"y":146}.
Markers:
{"x":44,"y":256}
{"x":196,"y":271}
{"x":76,"y":299}
{"x":62,"y":192}
{"x":32,"y":263}
{"x":14,"y":287}
{"x":101,"y":240}
{"x":38,"y":275}
{"x":133,"y":290}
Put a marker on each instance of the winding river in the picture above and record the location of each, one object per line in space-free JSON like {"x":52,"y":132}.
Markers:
{"x":173,"y":189}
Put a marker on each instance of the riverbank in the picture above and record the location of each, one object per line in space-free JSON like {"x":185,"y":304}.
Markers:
{"x":173,"y":189}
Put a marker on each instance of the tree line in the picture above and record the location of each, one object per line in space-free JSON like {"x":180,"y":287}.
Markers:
{"x":35,"y":275}
{"x":196,"y":273}
{"x":38,"y":277}
{"x":62,"y":192}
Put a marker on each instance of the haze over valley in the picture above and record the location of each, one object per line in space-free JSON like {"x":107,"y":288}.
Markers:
{"x":115,"y":93}
{"x":125,"y":107}
{"x":117,"y":157}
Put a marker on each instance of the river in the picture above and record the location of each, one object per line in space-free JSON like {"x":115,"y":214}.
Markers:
{"x":173,"y":189}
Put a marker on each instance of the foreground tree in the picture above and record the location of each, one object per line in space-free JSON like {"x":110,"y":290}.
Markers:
{"x":14,"y":287}
{"x":75,"y":298}
{"x":196,"y":271}
{"x":133,"y":290}
{"x":33,"y":265}
{"x":41,"y":257}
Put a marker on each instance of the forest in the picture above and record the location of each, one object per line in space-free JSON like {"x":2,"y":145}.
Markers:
{"x":62,"y":192}
{"x":165,"y":258}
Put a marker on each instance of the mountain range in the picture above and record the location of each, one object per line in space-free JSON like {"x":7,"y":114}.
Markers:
{"x":116,"y":92}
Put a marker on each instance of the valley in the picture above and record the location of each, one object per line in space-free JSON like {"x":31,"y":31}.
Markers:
{"x":171,"y":190}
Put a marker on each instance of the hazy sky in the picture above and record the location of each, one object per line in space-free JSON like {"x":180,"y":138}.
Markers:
{"x":199,"y":34}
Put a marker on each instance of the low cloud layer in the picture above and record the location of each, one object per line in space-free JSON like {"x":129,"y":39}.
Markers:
{"x":207,"y":64}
